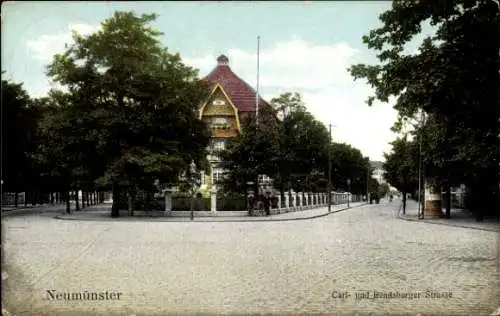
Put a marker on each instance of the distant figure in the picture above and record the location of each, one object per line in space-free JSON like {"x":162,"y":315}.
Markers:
{"x":260,"y":202}
{"x":250,"y":204}
{"x":390,"y":198}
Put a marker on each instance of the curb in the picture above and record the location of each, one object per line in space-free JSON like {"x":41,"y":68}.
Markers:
{"x":35,"y":211}
{"x":405,"y":218}
{"x":21,"y":212}
{"x":212,"y":221}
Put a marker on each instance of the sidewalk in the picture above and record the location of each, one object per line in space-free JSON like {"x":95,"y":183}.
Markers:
{"x":102,"y":213}
{"x":459,"y":218}
{"x":44,"y":209}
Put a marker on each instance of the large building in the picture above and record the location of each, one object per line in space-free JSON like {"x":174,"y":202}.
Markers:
{"x":230,"y":102}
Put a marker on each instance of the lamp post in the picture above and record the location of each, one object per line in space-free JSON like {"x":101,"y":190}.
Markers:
{"x":250,"y":198}
{"x":348,"y":191}
{"x":420,"y":210}
{"x":367,"y":184}
{"x":329,"y":187}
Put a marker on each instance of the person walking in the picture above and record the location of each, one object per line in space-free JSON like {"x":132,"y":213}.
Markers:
{"x":250,"y":204}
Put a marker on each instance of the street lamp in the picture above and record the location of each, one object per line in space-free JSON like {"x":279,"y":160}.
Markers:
{"x":420,"y":211}
{"x":348,"y":191}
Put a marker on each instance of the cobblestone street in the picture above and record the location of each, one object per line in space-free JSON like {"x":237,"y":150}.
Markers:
{"x":285,"y":267}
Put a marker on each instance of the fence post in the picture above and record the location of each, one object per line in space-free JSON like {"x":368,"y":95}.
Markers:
{"x":213,"y":200}
{"x":279,"y":203}
{"x":168,"y":202}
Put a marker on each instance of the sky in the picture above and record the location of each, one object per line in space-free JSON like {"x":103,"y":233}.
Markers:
{"x":305,"y":47}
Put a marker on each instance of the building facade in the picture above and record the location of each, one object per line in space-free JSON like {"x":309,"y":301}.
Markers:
{"x":231,"y":101}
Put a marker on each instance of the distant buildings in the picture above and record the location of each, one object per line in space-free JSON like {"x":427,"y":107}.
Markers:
{"x":378,"y":171}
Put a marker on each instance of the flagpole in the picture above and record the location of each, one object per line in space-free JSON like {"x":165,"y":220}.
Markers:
{"x":257,"y":90}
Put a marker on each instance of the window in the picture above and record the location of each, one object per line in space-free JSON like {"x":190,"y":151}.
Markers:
{"x":218,"y":102}
{"x":263,"y":179}
{"x":203,"y":179}
{"x":217,"y":176}
{"x":218,"y":144}
{"x":220,"y":120}
{"x":220,"y":123}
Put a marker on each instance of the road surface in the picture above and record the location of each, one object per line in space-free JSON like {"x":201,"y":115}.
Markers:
{"x":335,"y":265}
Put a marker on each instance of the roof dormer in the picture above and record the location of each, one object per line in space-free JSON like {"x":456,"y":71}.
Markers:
{"x":222,"y":60}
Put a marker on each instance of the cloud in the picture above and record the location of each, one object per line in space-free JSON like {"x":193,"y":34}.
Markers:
{"x":46,"y":46}
{"x":319,"y":73}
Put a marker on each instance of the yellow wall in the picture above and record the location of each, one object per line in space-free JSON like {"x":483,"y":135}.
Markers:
{"x":211,"y":109}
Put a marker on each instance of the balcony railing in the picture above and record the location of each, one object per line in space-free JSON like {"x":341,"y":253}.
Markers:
{"x":220,"y":126}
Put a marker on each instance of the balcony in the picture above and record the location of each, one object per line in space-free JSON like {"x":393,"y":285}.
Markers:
{"x":212,"y":157}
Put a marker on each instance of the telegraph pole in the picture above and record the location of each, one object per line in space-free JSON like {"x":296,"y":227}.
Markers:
{"x":330,"y":168}
{"x":257,"y":107}
{"x":257,"y":88}
{"x":367,"y":182}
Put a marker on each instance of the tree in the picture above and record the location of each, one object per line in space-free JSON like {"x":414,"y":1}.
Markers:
{"x":136,"y":103}
{"x":453,"y":78}
{"x":18,"y":126}
{"x":401,"y":167}
{"x":248,"y":155}
{"x":349,"y":163}
{"x":383,"y":189}
{"x":295,"y":154}
{"x":303,"y":145}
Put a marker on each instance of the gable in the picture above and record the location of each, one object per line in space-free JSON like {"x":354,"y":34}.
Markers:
{"x":219,"y":104}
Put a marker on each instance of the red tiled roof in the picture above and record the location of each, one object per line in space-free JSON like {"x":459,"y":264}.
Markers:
{"x":241,"y":93}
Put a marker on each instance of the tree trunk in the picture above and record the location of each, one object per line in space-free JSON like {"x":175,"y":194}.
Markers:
{"x":95,"y":198}
{"x":67,"y":196}
{"x":16,"y":199}
{"x":404,"y":202}
{"x":282,"y":194}
{"x":77,"y":202}
{"x":115,"y":208}
{"x":89,"y":198}
{"x":33,"y":198}
{"x":130,"y":206}
{"x":83,"y":199}
{"x":40,"y":198}
{"x":148,"y":199}
{"x":448,"y":200}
